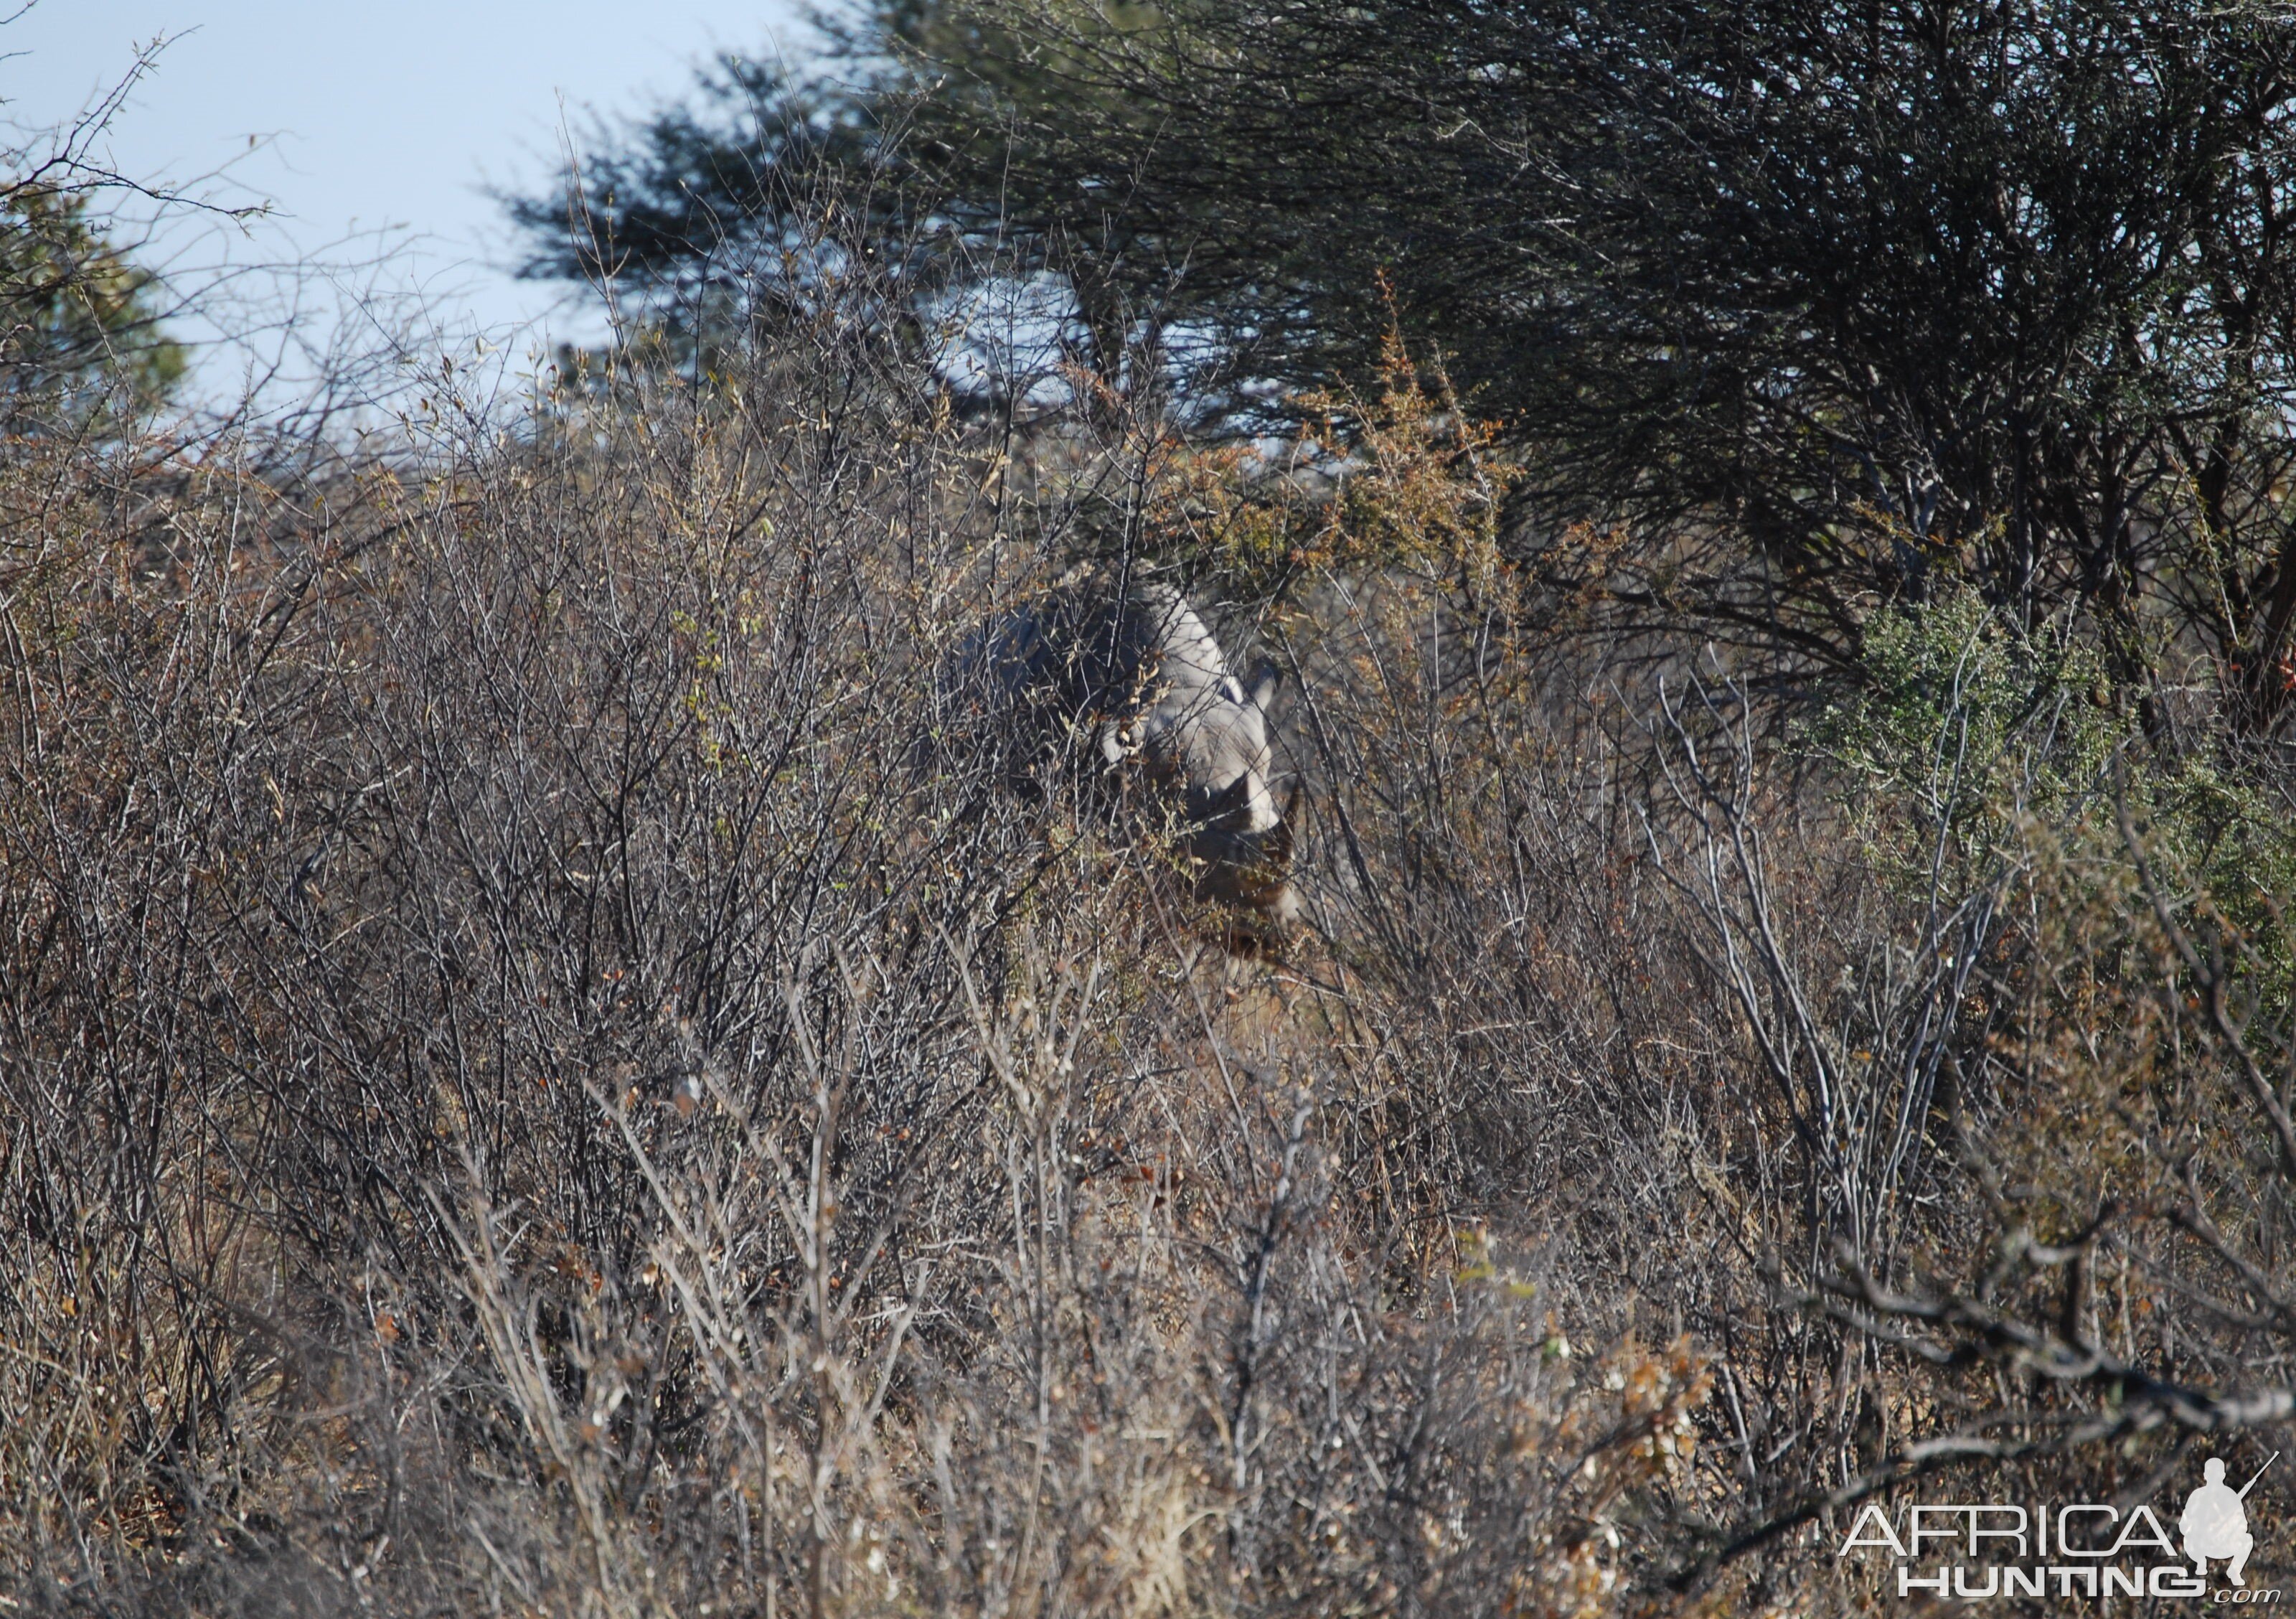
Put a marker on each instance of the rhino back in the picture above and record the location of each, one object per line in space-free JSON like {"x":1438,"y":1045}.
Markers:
{"x":1079,"y":658}
{"x":1105,"y":656}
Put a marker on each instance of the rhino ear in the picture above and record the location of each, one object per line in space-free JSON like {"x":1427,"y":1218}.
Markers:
{"x":1265,"y":684}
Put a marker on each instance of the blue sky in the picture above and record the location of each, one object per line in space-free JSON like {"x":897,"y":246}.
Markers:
{"x":360,"y":117}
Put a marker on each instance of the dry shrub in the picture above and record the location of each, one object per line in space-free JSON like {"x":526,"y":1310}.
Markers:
{"x":534,"y":1083}
{"x":537,"y":1078}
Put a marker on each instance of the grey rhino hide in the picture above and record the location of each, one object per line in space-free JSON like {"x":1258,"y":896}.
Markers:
{"x":1096,"y":681}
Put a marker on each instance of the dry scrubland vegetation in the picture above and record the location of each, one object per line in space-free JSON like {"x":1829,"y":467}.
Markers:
{"x":528,"y":1085}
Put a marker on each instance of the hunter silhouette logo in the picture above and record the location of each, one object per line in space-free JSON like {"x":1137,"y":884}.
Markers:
{"x":2215,"y":1522}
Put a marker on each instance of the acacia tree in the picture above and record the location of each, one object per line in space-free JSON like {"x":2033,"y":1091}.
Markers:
{"x":1832,"y":300}
{"x":731,"y":207}
{"x":705,"y":219}
{"x":1827,"y":302}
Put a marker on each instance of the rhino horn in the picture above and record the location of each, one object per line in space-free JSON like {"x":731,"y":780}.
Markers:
{"x":1229,"y":802}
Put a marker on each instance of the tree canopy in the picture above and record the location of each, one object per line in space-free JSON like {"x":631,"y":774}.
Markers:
{"x":1827,"y":304}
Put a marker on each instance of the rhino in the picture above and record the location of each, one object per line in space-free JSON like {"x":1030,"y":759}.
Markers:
{"x":1131,"y":684}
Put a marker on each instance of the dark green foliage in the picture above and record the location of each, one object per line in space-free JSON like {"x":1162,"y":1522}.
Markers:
{"x":703,"y":219}
{"x":1829,"y":302}
{"x":80,"y":325}
{"x":1885,"y":292}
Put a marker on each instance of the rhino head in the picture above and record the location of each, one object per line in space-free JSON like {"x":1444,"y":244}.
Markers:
{"x":1207,"y":745}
